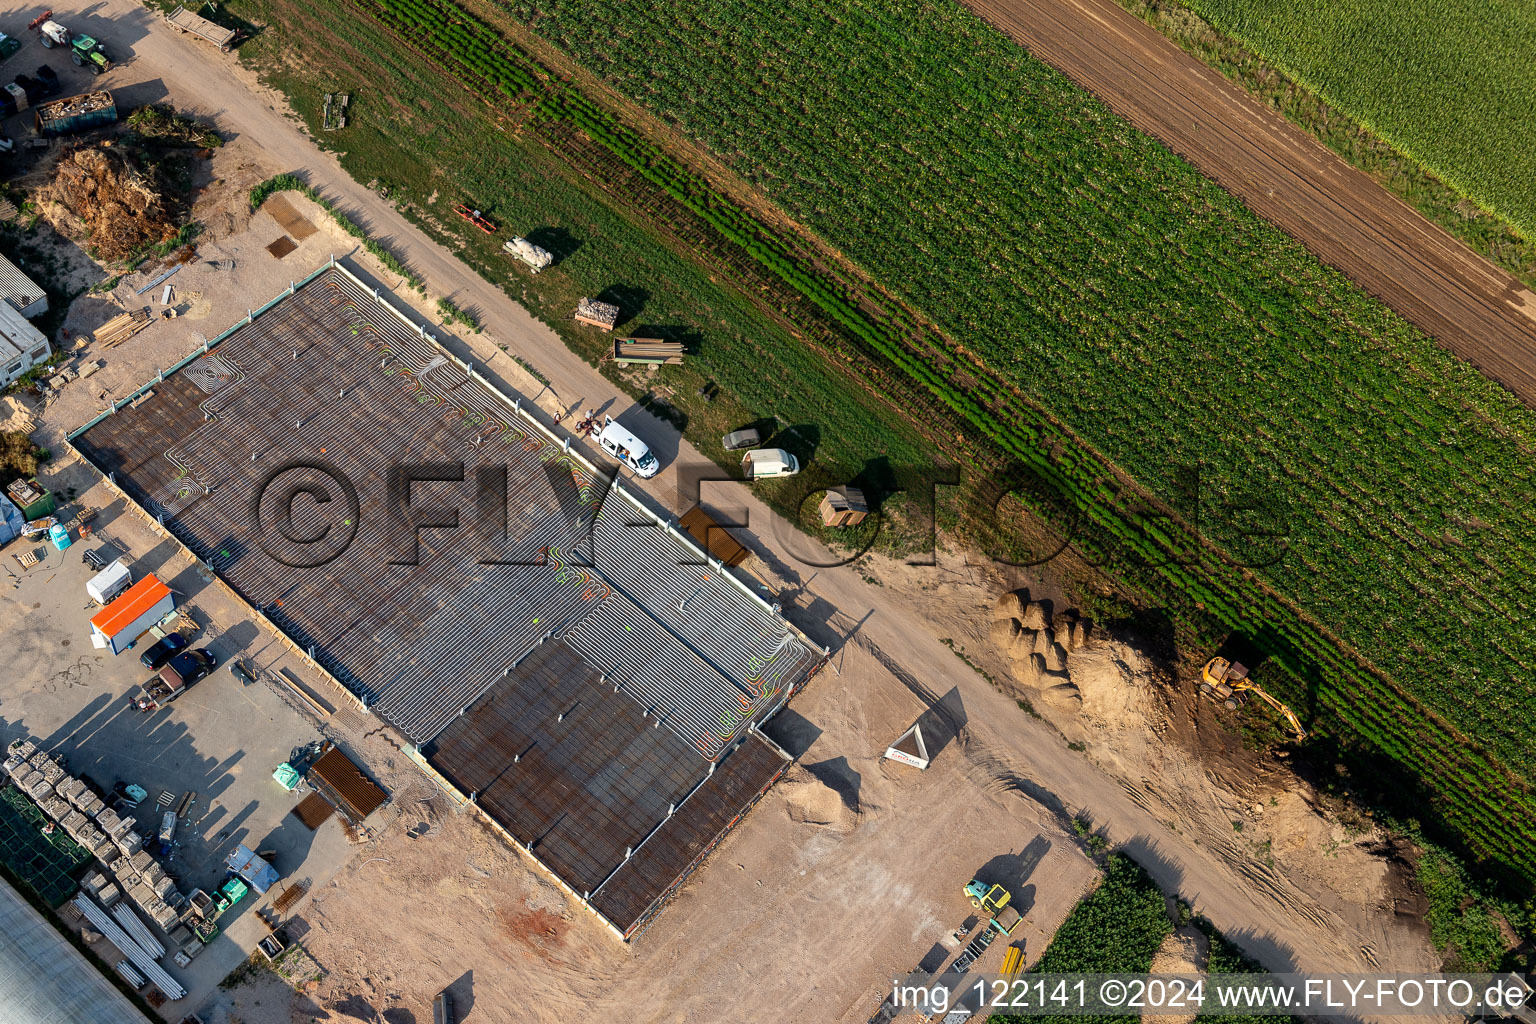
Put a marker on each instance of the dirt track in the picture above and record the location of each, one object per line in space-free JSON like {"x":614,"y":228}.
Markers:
{"x":1470,"y":306}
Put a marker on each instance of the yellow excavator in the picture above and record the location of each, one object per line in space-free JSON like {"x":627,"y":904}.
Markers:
{"x":1227,"y":683}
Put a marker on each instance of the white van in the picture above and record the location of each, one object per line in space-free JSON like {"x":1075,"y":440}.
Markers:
{"x":766,"y":463}
{"x":627,"y":448}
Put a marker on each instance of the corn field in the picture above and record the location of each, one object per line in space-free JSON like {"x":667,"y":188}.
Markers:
{"x":1448,"y":82}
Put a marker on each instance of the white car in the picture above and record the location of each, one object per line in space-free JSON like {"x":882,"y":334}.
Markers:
{"x":628,"y":449}
{"x":766,"y":463}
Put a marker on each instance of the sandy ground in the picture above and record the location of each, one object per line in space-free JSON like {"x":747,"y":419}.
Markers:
{"x":849,"y":872}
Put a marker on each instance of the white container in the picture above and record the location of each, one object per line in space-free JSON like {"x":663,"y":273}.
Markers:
{"x":109,"y":583}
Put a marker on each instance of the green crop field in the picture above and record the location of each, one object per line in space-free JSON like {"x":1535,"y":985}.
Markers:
{"x":1448,"y":82}
{"x":1101,"y":277}
{"x":1115,"y":929}
{"x":1103,"y":310}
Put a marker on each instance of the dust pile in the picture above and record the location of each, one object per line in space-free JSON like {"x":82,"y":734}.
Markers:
{"x":1184,"y":951}
{"x":15,"y":417}
{"x":1037,"y":646}
{"x":812,"y":802}
{"x":100,"y":197}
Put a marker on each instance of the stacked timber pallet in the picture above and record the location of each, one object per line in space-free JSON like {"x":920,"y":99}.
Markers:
{"x":648,"y":350}
{"x":120,"y":328}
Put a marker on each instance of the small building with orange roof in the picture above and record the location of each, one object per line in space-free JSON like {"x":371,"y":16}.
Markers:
{"x":132,"y":614}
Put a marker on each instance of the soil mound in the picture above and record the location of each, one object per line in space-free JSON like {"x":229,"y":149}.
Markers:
{"x":15,"y":417}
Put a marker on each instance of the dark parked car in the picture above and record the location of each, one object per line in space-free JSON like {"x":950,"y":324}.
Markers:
{"x":747,"y":437}
{"x":188,"y":667}
{"x":49,"y":79}
{"x":161,"y":653}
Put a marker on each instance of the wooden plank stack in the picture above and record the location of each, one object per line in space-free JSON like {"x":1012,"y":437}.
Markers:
{"x":120,"y":328}
{"x":648,"y":350}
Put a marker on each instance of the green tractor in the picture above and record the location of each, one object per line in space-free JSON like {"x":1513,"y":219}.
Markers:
{"x":83,"y":50}
{"x":87,"y":52}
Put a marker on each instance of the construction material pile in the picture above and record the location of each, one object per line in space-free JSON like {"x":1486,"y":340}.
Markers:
{"x":1038,"y":647}
{"x":597,"y":314}
{"x":648,"y":350}
{"x":102,"y":199}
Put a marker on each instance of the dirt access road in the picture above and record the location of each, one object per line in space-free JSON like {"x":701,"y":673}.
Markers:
{"x":1287,"y":177}
{"x":1279,"y":921}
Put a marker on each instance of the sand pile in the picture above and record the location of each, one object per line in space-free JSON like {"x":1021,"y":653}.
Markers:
{"x":1184,"y":951}
{"x":812,"y":802}
{"x":15,"y":417}
{"x":1112,"y":679}
{"x":1038,"y":644}
{"x":100,"y":198}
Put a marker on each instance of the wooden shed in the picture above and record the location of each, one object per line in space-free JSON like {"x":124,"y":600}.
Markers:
{"x":843,"y":506}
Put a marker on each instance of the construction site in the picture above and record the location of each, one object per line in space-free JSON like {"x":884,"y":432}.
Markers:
{"x":566,"y":659}
{"x":496,"y":726}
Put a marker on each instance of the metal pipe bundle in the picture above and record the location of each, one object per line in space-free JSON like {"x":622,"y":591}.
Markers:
{"x":138,"y":930}
{"x":146,"y":964}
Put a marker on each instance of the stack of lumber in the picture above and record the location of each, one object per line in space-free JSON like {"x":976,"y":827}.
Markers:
{"x":647,"y":350}
{"x":120,"y":328}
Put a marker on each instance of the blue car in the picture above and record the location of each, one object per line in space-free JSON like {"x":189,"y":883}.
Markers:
{"x":163,"y":651}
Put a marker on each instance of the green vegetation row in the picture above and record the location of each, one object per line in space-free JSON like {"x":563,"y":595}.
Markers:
{"x":1464,"y":922}
{"x":1119,"y":927}
{"x":432,"y":145}
{"x":1115,"y":929}
{"x":1099,"y":275}
{"x":1446,"y":81}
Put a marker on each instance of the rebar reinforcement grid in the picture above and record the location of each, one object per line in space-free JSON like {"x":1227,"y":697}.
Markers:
{"x":330,"y":374}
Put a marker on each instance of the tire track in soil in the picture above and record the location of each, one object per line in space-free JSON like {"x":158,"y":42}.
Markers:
{"x":1283,"y":174}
